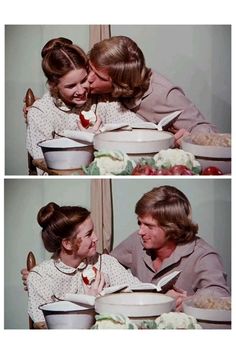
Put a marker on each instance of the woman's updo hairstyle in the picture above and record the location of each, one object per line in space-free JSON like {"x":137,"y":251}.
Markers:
{"x":59,"y":56}
{"x":55,"y":43}
{"x":59,"y":223}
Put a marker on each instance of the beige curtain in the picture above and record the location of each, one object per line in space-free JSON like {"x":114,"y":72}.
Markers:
{"x":98,"y":33}
{"x":101,"y":196}
{"x":101,"y":212}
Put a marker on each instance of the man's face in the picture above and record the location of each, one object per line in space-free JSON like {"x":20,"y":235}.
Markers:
{"x":153,"y":236}
{"x":99,"y":80}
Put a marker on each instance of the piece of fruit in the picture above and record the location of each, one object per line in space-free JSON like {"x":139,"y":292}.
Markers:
{"x":87,"y":118}
{"x":163,"y":172}
{"x":180,"y":170}
{"x":146,"y":170}
{"x":89,"y":275}
{"x":212,"y":170}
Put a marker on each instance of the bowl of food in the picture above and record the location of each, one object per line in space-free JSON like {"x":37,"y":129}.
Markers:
{"x":66,"y":154}
{"x":210,"y":149}
{"x":209,"y":310}
{"x":68,"y":315}
{"x":136,"y":306}
{"x":135,"y":143}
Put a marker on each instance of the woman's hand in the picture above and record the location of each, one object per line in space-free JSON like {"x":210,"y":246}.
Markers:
{"x":80,"y":126}
{"x":179,"y":295}
{"x":97,"y":285}
{"x":97,"y":125}
{"x":24,"y":273}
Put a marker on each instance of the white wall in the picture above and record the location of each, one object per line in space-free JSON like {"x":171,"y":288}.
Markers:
{"x":195,"y":57}
{"x":210,"y":199}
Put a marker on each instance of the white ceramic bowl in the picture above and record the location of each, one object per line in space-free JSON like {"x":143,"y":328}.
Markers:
{"x":213,"y":315}
{"x":136,"y":306}
{"x":66,"y":154}
{"x":67,"y":315}
{"x":218,"y":156}
{"x":135,"y":143}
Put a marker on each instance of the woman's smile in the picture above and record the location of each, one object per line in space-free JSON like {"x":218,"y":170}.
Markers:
{"x":73,"y":87}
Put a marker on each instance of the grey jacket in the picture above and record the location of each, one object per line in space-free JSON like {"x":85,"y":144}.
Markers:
{"x":163,"y":98}
{"x":200,"y":265}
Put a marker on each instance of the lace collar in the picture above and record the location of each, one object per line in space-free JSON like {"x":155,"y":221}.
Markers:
{"x":63,"y":107}
{"x":63,"y":268}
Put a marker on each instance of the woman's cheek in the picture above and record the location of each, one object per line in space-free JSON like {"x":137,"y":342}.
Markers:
{"x":87,"y":243}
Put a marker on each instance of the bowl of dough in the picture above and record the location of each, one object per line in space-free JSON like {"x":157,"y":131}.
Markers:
{"x":66,"y":154}
{"x":210,"y":149}
{"x":68,"y":315}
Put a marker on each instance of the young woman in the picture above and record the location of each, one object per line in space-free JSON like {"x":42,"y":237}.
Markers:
{"x":68,"y":233}
{"x":65,"y":67}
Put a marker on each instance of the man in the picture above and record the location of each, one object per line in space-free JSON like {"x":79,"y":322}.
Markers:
{"x":167,"y":241}
{"x":117,"y":67}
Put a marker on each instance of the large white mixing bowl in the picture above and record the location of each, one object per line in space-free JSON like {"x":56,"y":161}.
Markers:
{"x":136,"y":143}
{"x":137,"y":305}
